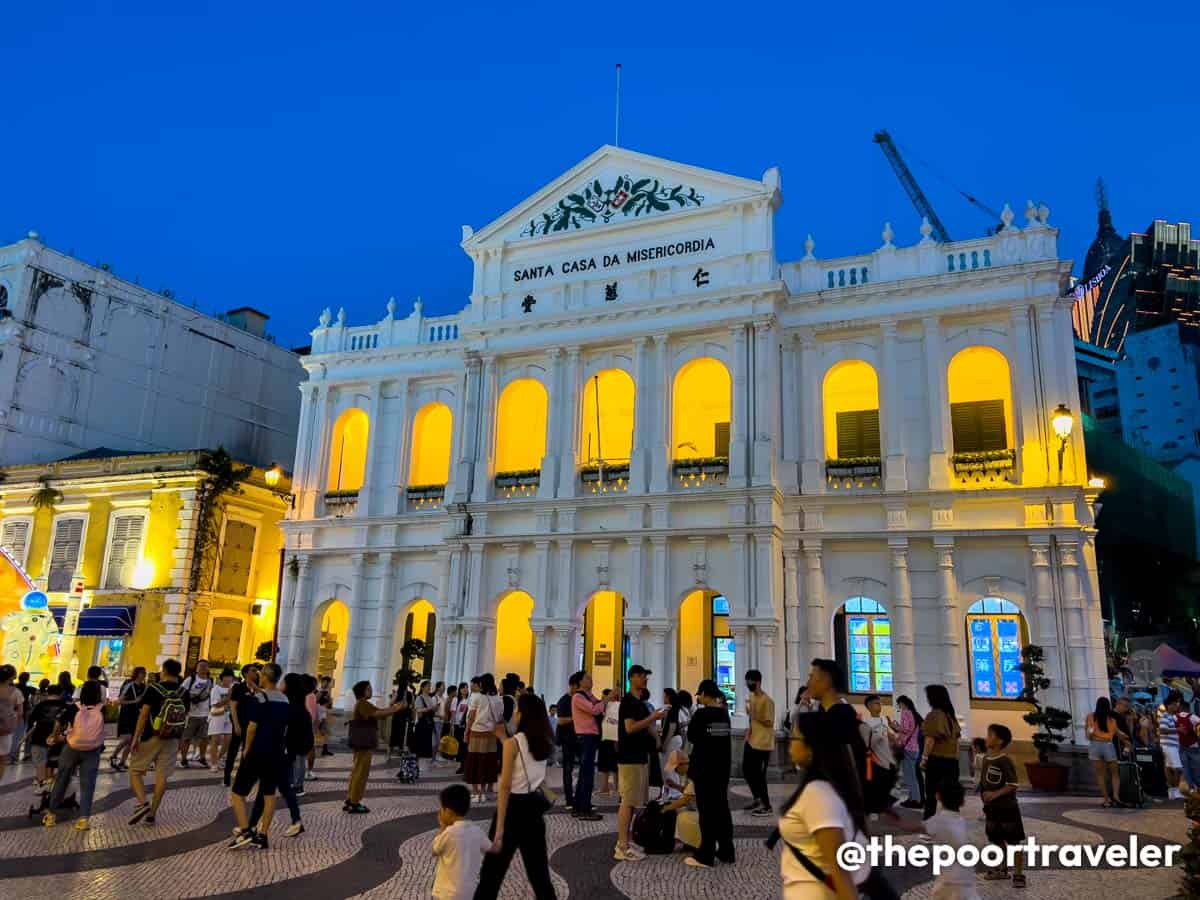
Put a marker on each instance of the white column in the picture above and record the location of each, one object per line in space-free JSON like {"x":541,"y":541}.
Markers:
{"x":287,"y":605}
{"x":657,"y":653}
{"x":742,"y":662}
{"x":1075,"y":629}
{"x":385,"y":626}
{"x":354,"y":637}
{"x":539,"y":678}
{"x":740,"y":412}
{"x":660,"y":575}
{"x":316,"y":465}
{"x":555,"y":407}
{"x":904,"y":655}
{"x":1046,"y":618}
{"x":321,"y":480}
{"x":789,"y":472}
{"x":939,"y":406}
{"x":561,"y":602}
{"x":541,"y":576}
{"x":812,"y":427}
{"x":568,"y":423}
{"x":636,"y":596}
{"x":792,"y":634}
{"x":474,"y":607}
{"x":895,"y":466}
{"x":366,"y":503}
{"x":766,"y":397}
{"x":308,"y":414}
{"x":814,"y":595}
{"x":468,"y":423}
{"x":660,"y":419}
{"x":764,"y":639}
{"x":564,"y":665}
{"x":639,"y":460}
{"x":454,"y":671}
{"x":953,"y":649}
{"x":472,"y":634}
{"x":1032,"y":440}
{"x":297,"y":641}
{"x":484,"y":472}
{"x":395,"y":471}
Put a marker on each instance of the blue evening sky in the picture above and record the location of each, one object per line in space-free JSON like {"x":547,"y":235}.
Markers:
{"x":293,"y":156}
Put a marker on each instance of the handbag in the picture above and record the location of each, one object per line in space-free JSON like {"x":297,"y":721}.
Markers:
{"x":363,"y":734}
{"x":545,"y":797}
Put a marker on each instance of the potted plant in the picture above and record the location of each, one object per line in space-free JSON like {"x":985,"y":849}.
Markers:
{"x":1052,"y":724}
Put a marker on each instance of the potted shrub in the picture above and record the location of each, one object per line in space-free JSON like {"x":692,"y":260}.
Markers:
{"x":1052,"y":724}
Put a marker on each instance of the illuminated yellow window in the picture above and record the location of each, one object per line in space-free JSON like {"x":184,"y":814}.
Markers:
{"x":521,"y":426}
{"x":430,"y":461}
{"x":607,"y":427}
{"x":702,"y":400}
{"x":348,"y":451}
{"x":851,"y":405}
{"x":980,"y":396}
{"x":514,"y":637}
{"x":421,"y":624}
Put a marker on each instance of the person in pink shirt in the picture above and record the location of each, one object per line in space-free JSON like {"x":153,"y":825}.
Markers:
{"x":584,"y":711}
{"x":310,"y":703}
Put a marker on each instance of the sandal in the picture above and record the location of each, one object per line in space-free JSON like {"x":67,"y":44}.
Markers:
{"x":1107,"y":804}
{"x":1019,"y":881}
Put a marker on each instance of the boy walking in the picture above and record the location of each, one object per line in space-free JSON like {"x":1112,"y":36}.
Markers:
{"x":998,"y":782}
{"x":458,"y":847}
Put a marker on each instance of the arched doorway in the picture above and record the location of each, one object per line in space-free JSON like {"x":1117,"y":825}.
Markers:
{"x":862,"y":641}
{"x":706,"y":647}
{"x":328,"y":636}
{"x":418,"y":623}
{"x":514,"y":637}
{"x":605,"y":644}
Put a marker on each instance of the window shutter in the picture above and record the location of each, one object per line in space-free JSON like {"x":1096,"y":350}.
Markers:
{"x":123,"y":546}
{"x":236,"y":553}
{"x":15,"y":539}
{"x":64,"y":555}
{"x":857,"y":433}
{"x":721,"y":439}
{"x":978,"y":426}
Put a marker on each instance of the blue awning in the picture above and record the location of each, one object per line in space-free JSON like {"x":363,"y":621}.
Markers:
{"x":100,"y":621}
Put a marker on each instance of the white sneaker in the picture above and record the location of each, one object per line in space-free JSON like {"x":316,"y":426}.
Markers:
{"x":310,"y":776}
{"x":629,"y":854}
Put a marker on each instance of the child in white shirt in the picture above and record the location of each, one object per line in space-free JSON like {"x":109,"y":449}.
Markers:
{"x":947,"y":826}
{"x":458,"y":847}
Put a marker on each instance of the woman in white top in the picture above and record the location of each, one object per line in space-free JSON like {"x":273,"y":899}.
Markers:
{"x":825,"y":812}
{"x":220,"y":723}
{"x":520,"y":807}
{"x":485,"y":721}
{"x":606,"y":760}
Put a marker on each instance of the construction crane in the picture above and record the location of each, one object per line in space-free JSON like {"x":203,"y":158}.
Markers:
{"x":915,"y":194}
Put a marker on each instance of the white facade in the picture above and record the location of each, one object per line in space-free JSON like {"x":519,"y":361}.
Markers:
{"x":786,"y":537}
{"x":90,"y":360}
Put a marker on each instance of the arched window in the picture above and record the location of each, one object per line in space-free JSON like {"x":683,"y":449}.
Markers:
{"x":996,"y":632}
{"x":863,"y":641}
{"x":702,"y":403}
{"x":706,"y":645}
{"x":851,"y":404}
{"x":430,"y":461}
{"x":607,"y":418}
{"x":521,"y":428}
{"x":348,"y":451}
{"x":980,"y":396}
{"x":421,"y":624}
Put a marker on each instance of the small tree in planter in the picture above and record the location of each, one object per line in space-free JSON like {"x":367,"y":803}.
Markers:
{"x":1052,"y":723}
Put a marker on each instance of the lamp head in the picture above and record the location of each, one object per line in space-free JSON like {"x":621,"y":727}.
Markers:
{"x":273,"y":475}
{"x":1063,"y":421}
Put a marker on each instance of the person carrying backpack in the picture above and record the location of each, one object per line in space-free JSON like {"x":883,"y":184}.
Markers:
{"x":81,"y":728}
{"x":156,"y":739}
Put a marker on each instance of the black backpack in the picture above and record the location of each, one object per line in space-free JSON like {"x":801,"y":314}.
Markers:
{"x":654,"y":830}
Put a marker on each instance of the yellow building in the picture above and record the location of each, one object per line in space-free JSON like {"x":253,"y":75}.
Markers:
{"x":143,"y":557}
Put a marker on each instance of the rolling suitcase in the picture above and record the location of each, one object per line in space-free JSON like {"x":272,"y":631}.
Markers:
{"x":1129,"y":790}
{"x":1150,"y":764}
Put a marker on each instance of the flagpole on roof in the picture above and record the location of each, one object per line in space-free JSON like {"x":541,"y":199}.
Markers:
{"x":617,"y":124}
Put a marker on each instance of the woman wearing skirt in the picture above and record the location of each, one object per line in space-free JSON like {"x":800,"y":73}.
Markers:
{"x":485,"y":715}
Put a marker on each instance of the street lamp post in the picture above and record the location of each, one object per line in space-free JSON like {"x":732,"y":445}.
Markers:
{"x":272,"y":477}
{"x":1063,"y":422}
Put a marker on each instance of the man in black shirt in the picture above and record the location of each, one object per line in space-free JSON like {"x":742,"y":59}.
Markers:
{"x":239,"y":699}
{"x":827,"y":685}
{"x":635,"y":740}
{"x":565,"y":738}
{"x":708,"y":767}
{"x":148,"y":747}
{"x":264,"y":760}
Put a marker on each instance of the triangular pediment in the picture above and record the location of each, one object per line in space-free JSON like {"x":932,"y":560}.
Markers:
{"x":615,"y":186}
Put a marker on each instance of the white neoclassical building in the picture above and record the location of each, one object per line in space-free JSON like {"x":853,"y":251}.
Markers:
{"x":647,"y":439}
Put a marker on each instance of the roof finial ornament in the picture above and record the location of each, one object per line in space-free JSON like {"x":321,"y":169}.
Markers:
{"x":809,"y":244}
{"x":1006,"y":216}
{"x":887,"y":234}
{"x":341,"y":317}
{"x":418,"y":307}
{"x":1043,"y":213}
{"x":33,"y":235}
{"x":391,"y":307}
{"x":326,"y":317}
{"x":1030,"y":214}
{"x":926,"y":230}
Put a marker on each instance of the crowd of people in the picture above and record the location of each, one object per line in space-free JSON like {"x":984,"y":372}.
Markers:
{"x":667,"y":764}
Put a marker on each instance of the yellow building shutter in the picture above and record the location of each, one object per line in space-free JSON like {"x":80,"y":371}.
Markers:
{"x":15,"y":539}
{"x":64,"y":554}
{"x":124,"y":544}
{"x":236,"y":555}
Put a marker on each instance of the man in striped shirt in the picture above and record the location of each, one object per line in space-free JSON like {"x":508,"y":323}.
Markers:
{"x":1168,"y":739}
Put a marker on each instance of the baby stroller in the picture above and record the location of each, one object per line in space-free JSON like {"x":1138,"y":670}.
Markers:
{"x":41,"y":793}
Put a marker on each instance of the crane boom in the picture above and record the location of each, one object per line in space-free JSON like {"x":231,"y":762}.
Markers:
{"x":915,"y":194}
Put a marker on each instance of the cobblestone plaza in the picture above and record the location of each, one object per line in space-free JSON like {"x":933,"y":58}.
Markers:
{"x":386,"y":853}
